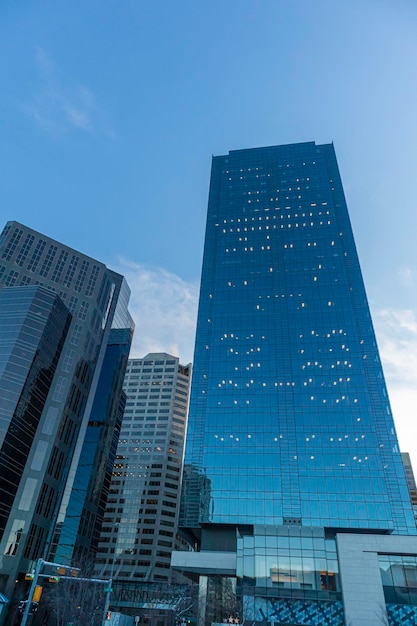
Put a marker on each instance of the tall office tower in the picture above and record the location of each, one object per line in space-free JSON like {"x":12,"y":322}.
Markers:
{"x":290,"y":432}
{"x":141,"y":518}
{"x":79,"y":524}
{"x":33,"y":327}
{"x":59,"y":306}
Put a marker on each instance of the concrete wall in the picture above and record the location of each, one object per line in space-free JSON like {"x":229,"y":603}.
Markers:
{"x":363,"y":594}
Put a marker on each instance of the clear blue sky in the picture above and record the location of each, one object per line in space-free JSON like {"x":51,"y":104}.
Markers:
{"x":111,"y":110}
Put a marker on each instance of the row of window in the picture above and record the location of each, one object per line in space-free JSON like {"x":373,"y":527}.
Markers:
{"x":51,"y":252}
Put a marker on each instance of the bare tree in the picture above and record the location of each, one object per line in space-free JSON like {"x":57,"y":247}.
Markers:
{"x":71,"y":600}
{"x":186,"y":598}
{"x":221,"y":603}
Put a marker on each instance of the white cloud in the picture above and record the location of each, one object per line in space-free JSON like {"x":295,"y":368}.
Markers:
{"x":397,"y":339}
{"x":406,"y":276}
{"x":58,"y":105}
{"x":164,"y":307}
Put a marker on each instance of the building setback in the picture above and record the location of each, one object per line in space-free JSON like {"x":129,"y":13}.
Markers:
{"x":141,"y":517}
{"x":291,"y":440}
{"x":62,"y":362}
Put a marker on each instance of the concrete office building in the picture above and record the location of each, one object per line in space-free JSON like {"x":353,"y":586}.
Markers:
{"x":57,"y":307}
{"x":411,"y":481}
{"x":141,"y":518}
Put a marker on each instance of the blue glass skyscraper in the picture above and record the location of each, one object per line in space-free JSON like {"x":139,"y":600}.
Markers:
{"x":288,"y":391}
{"x":290,"y":426}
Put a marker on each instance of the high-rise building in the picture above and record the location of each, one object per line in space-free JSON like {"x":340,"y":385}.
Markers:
{"x":141,"y":518}
{"x":411,"y":481}
{"x":33,"y":327}
{"x":291,"y":454}
{"x":79,"y":524}
{"x":58,"y":307}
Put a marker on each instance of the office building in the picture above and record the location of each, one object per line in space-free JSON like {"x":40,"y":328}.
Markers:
{"x":33,"y":327}
{"x":79,"y":524}
{"x":290,"y":434}
{"x":409,"y":475}
{"x":58,"y":308}
{"x":141,"y":518}
{"x":411,"y":481}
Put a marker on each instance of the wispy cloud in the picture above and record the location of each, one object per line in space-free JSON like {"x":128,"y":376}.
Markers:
{"x":407,"y":276}
{"x":164,"y":307}
{"x":58,"y":105}
{"x":397,"y":339}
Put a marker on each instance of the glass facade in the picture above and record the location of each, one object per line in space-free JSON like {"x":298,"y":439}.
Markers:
{"x":296,"y":559}
{"x":90,"y":298}
{"x":399,"y":578}
{"x":77,"y":532}
{"x":33,"y":327}
{"x":290,"y":422}
{"x":289,"y":574}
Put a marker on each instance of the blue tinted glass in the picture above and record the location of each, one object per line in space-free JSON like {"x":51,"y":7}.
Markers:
{"x":289,"y":416}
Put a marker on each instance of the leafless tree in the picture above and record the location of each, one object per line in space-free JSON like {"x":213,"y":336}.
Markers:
{"x":221,"y":603}
{"x":74,"y":600}
{"x":185,"y":601}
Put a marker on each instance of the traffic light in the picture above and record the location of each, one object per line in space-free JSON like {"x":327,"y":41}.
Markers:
{"x":33,"y":607}
{"x":29,"y":576}
{"x":22,"y":606}
{"x":54,"y":579}
{"x":37,"y":593}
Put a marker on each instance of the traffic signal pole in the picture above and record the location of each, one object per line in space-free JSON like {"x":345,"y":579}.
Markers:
{"x":38,"y":569}
{"x":74,"y":571}
{"x":107,"y":601}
